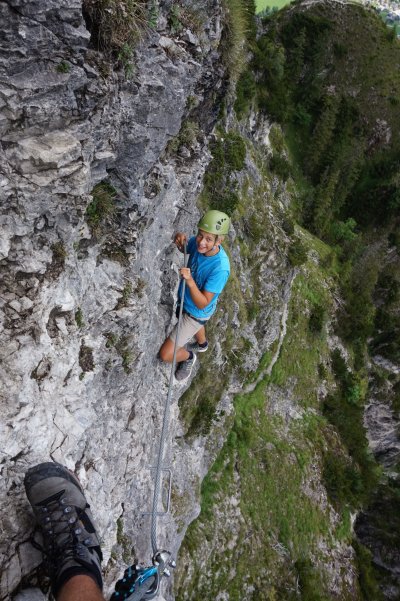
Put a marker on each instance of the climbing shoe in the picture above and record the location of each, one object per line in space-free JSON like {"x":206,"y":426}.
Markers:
{"x":69,"y":541}
{"x":195,"y":347}
{"x":184,"y":368}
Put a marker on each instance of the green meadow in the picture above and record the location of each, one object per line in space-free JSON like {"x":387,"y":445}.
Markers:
{"x":262,"y":4}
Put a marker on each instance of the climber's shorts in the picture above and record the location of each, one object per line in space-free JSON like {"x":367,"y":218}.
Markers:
{"x":188,"y":328}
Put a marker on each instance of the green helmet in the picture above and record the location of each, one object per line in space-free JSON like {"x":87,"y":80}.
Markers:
{"x":215,"y":222}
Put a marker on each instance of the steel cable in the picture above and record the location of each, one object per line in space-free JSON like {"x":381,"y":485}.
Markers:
{"x":164,"y":431}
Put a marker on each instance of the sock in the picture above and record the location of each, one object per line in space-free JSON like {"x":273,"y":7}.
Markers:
{"x":190,"y":356}
{"x":203,"y":344}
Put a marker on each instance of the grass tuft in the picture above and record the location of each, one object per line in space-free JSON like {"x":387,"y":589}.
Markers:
{"x":102,"y":206}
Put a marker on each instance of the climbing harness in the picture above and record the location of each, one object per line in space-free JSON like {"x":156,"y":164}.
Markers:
{"x":138,"y":583}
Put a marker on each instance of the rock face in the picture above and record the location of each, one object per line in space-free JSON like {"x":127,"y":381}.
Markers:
{"x":378,"y":526}
{"x":85,"y":308}
{"x":100,"y":164}
{"x":383,"y":431}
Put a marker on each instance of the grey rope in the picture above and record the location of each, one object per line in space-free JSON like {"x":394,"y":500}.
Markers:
{"x":164,"y":431}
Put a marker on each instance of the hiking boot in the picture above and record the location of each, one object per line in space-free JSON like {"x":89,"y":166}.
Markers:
{"x":70,"y":543}
{"x":184,"y":369}
{"x":195,"y":347}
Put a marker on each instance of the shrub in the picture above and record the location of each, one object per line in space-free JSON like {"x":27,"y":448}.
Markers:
{"x":220,"y":184}
{"x":245,"y":92}
{"x":345,"y":411}
{"x":343,"y":231}
{"x":394,"y":239}
{"x":297,"y":253}
{"x":234,"y":151}
{"x":339,"y":50}
{"x":288,"y":226}
{"x":227,"y":202}
{"x":317,"y":319}
{"x":280,"y":166}
{"x":175,"y":19}
{"x":310,"y":581}
{"x":342,"y":480}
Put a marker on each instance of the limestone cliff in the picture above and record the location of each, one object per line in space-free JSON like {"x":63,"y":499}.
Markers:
{"x":91,"y":195}
{"x":87,"y":295}
{"x":118,"y":130}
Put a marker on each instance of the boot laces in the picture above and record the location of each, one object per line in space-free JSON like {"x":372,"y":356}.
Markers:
{"x":57,"y":523}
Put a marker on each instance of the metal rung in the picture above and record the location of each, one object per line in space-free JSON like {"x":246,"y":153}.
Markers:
{"x":169,"y":472}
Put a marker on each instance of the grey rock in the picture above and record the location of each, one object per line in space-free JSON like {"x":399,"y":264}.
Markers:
{"x":16,"y":306}
{"x":189,"y":37}
{"x":31,"y":594}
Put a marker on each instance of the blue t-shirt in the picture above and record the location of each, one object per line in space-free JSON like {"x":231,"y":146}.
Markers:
{"x":210,"y":275}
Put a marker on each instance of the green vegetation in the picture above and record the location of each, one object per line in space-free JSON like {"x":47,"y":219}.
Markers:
{"x":181,"y":17}
{"x":187,"y":136}
{"x":263,"y":6}
{"x":127,"y":292}
{"x":115,"y":23}
{"x":317,"y":318}
{"x":239,"y":32}
{"x":115,"y":252}
{"x":270,"y":471}
{"x":102,"y":206}
{"x":125,"y":59}
{"x":125,"y":543}
{"x":297,"y":253}
{"x":86,"y":360}
{"x":265,"y":464}
{"x":122,"y":347}
{"x":349,"y":482}
{"x":220,"y":185}
{"x":153,"y":15}
{"x":337,"y":144}
{"x":367,"y":573}
{"x":79,"y":318}
{"x":383,"y":519}
{"x":350,"y":161}
{"x":63,"y":67}
{"x":245,"y":91}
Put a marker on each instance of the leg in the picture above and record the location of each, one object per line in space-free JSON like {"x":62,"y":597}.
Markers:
{"x":185,"y":358}
{"x":188,"y":328}
{"x":72,"y":554}
{"x":201,"y":335}
{"x":80,"y":588}
{"x":166,"y":352}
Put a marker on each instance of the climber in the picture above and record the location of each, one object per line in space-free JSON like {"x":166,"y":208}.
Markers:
{"x":206,"y":275}
{"x":70,"y":544}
